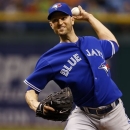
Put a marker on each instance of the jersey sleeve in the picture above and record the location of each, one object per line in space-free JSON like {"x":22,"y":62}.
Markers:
{"x":29,"y":88}
{"x":109,"y":48}
{"x":38,"y":79}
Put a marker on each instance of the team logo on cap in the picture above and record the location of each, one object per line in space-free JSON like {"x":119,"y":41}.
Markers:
{"x":57,"y":6}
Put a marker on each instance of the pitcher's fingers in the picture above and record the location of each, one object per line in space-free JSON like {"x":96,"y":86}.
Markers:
{"x":77,"y":17}
{"x":45,"y":112}
{"x":80,"y":8}
{"x":48,"y":108}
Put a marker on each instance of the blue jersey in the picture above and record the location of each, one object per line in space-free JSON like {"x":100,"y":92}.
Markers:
{"x":81,"y":66}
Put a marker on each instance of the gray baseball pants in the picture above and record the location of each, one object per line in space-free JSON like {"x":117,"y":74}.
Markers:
{"x":116,"y":119}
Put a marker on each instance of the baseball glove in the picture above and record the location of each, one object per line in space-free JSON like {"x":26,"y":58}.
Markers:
{"x":61,"y":101}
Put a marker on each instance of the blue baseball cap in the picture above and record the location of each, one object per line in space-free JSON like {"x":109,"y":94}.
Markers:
{"x":62,"y":7}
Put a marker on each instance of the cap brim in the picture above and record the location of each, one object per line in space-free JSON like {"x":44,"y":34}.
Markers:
{"x":50,"y":15}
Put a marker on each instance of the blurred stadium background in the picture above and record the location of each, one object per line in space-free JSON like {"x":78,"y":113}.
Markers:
{"x":25,"y":34}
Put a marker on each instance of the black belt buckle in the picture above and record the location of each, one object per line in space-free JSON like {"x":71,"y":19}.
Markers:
{"x":104,"y":111}
{"x":97,"y":112}
{"x":101,"y":111}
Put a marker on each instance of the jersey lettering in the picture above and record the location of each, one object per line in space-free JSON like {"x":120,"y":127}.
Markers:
{"x":72,"y":62}
{"x":64,"y":72}
{"x":77,"y":58}
{"x":99,"y":53}
{"x":68,"y":68}
{"x":94,"y":52}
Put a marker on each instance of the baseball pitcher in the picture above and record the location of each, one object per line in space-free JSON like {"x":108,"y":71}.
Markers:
{"x":79,"y":62}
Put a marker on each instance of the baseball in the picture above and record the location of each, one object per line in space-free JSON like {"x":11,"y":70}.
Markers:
{"x":75,"y":11}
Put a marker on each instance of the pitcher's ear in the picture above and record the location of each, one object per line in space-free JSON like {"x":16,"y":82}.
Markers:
{"x":51,"y":24}
{"x":73,"y":20}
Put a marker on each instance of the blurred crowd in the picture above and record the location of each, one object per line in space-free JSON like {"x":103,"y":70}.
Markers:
{"x":32,"y":6}
{"x":116,"y":6}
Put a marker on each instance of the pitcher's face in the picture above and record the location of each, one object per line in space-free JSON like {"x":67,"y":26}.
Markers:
{"x":61,"y":23}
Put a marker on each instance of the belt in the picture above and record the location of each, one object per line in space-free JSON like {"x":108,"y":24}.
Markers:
{"x":102,"y":111}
